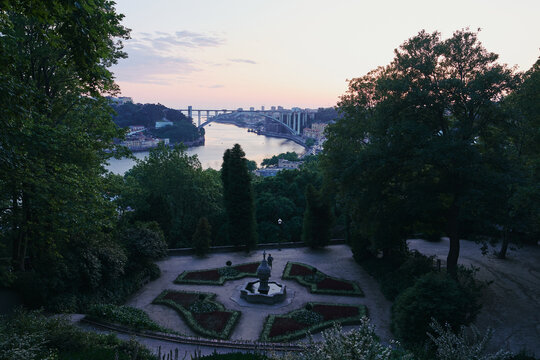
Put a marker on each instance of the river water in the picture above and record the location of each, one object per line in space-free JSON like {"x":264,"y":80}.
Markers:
{"x":218,"y":138}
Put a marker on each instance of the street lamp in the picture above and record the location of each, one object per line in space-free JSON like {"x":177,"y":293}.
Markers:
{"x":279,"y":221}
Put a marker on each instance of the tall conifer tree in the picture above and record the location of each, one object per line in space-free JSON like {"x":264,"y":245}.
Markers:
{"x":238,"y":195}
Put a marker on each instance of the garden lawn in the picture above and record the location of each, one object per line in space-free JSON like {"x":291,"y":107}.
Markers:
{"x":318,"y":282}
{"x":218,"y":276}
{"x":201,"y":313}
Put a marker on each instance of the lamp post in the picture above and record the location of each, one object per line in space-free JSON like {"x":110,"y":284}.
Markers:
{"x":279,"y":221}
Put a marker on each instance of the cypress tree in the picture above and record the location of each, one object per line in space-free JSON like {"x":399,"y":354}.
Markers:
{"x":202,"y":237}
{"x":239,"y":200}
{"x":317,"y":219}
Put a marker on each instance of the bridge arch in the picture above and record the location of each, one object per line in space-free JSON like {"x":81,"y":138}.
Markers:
{"x":260,"y":114}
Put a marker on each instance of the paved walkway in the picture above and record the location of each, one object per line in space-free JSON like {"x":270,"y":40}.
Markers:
{"x":512,"y":301}
{"x":335,"y":261}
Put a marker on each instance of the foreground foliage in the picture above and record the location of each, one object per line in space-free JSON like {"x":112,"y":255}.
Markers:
{"x":434,"y":296}
{"x":32,"y":336}
{"x":357,"y":344}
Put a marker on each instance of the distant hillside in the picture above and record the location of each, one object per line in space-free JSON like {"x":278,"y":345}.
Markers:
{"x":147,"y":114}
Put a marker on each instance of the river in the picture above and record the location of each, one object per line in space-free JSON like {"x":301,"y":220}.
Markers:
{"x":218,"y":138}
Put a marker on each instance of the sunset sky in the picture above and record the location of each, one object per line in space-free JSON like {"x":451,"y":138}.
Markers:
{"x":240,"y":53}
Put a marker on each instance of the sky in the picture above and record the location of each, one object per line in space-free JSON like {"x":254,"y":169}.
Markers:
{"x":226,"y":54}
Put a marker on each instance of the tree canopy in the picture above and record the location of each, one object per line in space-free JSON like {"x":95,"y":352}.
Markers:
{"x":416,"y":144}
{"x":171,"y":188}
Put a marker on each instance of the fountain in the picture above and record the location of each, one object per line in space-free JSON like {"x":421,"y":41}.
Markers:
{"x":263,"y":291}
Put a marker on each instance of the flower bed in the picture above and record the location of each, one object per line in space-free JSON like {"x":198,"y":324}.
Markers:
{"x":318,"y":282}
{"x":217,"y":276}
{"x":202,"y":314}
{"x":314,"y":318}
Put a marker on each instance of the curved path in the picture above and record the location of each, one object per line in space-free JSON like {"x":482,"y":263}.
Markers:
{"x":511,"y":304}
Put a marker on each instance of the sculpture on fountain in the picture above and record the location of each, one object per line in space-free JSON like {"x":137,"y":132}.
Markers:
{"x":263,"y":291}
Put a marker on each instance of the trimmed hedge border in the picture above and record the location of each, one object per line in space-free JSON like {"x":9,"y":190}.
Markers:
{"x":182,"y":339}
{"x":125,"y":316}
{"x":315,"y":328}
{"x":314,"y":287}
{"x":189,"y":315}
{"x":181,"y":279}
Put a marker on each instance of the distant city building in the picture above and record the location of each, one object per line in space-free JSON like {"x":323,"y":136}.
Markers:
{"x":286,"y":164}
{"x":135,"y":129}
{"x":239,"y":109}
{"x":315,"y":132}
{"x":273,"y":108}
{"x":282,"y":165}
{"x":160,"y":124}
{"x":262,"y":108}
{"x":120,"y":100}
{"x":252,"y":109}
{"x":138,"y":143}
{"x":280,"y":107}
{"x":267,"y":172}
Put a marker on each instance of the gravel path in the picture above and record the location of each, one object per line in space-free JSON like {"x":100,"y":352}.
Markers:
{"x":512,"y":301}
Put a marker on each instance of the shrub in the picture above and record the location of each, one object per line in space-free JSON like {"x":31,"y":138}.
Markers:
{"x":394,"y":282}
{"x":434,"y":295}
{"x":144,"y":245}
{"x":202,"y":238}
{"x":124,"y":315}
{"x":31,"y":335}
{"x":465,"y":345}
{"x":361,"y":343}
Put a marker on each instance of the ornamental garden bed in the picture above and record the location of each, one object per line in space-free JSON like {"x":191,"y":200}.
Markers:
{"x":318,"y":282}
{"x":124,"y":315}
{"x":218,"y":276}
{"x":201,"y":312}
{"x":313,"y":318}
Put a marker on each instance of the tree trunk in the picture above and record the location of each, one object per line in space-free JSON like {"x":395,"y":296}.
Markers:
{"x":504,"y":245}
{"x":453,"y":234}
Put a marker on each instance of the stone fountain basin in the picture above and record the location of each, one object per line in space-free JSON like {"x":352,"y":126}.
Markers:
{"x":276,"y":294}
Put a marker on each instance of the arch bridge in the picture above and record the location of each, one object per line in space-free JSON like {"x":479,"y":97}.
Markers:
{"x":293,"y":120}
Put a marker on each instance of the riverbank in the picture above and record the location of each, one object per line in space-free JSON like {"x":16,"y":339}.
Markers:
{"x":218,"y":138}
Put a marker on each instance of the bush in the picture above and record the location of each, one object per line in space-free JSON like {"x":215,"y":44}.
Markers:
{"x":395,"y":282}
{"x":124,"y":315}
{"x":465,"y":345}
{"x":361,"y":343}
{"x":144,"y":245}
{"x":202,"y":238}
{"x":31,"y":335}
{"x":434,"y":295}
